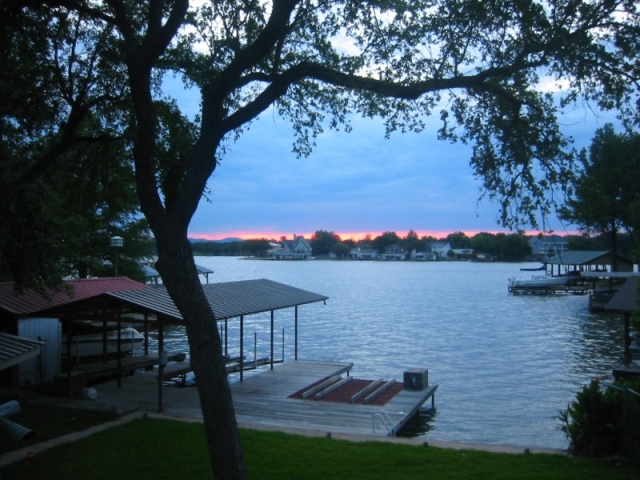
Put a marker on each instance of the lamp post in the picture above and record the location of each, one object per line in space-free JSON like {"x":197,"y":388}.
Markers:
{"x":116,"y":242}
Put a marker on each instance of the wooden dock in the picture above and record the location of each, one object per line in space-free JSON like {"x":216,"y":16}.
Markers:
{"x":628,"y":372}
{"x":549,"y":289}
{"x":264,"y":400}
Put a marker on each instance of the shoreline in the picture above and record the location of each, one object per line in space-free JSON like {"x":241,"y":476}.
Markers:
{"x":13,"y":456}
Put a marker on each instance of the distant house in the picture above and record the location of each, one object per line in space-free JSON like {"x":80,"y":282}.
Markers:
{"x":545,"y":246}
{"x":484,"y":257}
{"x":462,"y":253}
{"x":358,"y":253}
{"x":440,"y":249}
{"x":426,"y":255}
{"x":393,"y":252}
{"x":296,"y":249}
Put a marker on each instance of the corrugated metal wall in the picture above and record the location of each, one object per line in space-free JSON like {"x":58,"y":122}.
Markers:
{"x":44,"y":367}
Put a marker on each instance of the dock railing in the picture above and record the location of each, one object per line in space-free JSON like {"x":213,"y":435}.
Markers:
{"x":626,"y":400}
{"x":383,"y":417}
{"x":624,"y":390}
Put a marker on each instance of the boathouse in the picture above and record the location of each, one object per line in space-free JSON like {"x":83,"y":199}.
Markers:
{"x":31,"y":315}
{"x":626,"y":301}
{"x":153,"y":276}
{"x":576,"y":262}
{"x":22,"y":315}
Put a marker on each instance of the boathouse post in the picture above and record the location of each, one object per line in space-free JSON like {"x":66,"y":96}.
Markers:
{"x":146,"y":334}
{"x":118,"y":349}
{"x":161,"y":364}
{"x":272,"y":337}
{"x":69,"y":365}
{"x":627,"y":338}
{"x":241,"y":348}
{"x":105,"y":344}
{"x":226,"y":336}
{"x":295,"y":334}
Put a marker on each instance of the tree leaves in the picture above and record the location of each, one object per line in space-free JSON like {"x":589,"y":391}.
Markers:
{"x":606,"y":194}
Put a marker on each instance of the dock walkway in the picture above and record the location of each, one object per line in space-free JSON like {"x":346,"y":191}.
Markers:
{"x":549,"y":289}
{"x":262,"y":400}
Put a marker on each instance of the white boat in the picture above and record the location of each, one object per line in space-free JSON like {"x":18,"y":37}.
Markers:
{"x":537,"y":282}
{"x":88,"y":340}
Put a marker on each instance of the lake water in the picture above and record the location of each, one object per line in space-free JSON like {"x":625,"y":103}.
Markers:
{"x":506,"y":365}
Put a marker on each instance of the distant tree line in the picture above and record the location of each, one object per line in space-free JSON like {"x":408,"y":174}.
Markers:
{"x":512,"y":247}
{"x":240,"y":248}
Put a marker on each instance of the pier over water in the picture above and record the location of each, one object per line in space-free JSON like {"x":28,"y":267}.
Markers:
{"x":266,"y":399}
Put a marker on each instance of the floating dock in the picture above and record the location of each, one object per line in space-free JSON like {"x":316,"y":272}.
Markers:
{"x":266,"y":399}
{"x":549,"y":289}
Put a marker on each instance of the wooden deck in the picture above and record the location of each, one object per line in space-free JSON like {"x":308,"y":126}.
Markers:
{"x":549,"y":290}
{"x":262,"y":400}
{"x":628,"y":372}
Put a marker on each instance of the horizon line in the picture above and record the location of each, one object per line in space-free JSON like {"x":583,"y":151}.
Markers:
{"x":356,"y":236}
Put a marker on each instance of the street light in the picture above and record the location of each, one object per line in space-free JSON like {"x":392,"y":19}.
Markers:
{"x":116,"y":242}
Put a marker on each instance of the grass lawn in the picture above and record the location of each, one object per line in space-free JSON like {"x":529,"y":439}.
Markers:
{"x":168,"y":449}
{"x":49,"y":422}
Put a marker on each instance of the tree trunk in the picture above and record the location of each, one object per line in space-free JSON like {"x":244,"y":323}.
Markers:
{"x":175,"y":263}
{"x":179,"y":274}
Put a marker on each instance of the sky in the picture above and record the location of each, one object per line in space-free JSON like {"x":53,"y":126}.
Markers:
{"x":353,"y":184}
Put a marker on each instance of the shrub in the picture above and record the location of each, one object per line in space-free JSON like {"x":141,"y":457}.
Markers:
{"x":603,"y":421}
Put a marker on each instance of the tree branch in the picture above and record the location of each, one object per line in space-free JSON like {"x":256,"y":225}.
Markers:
{"x":273,"y":33}
{"x":48,"y":158}
{"x":279,"y":85}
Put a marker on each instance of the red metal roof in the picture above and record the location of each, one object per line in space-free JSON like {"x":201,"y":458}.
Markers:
{"x":228,"y":300}
{"x":30,"y":301}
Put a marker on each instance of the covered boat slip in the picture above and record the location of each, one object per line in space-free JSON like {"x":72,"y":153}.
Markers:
{"x":230,"y":301}
{"x":152,"y":307}
{"x":121,"y":301}
{"x":605,"y":285}
{"x":573,"y":272}
{"x":264,"y":400}
{"x":578,"y":262}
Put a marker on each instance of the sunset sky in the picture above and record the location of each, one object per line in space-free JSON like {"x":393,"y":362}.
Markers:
{"x":353,"y":184}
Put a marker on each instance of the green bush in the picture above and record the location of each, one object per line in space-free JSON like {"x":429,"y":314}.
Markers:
{"x":604,"y":420}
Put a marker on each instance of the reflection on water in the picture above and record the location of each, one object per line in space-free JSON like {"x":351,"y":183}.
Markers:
{"x":506,"y":365}
{"x":421,"y":424}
